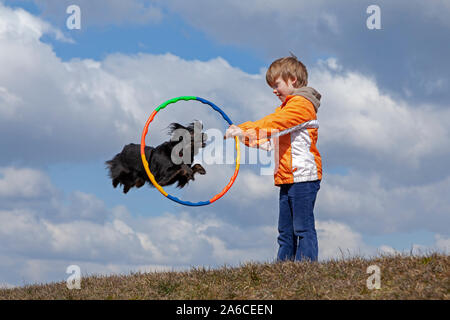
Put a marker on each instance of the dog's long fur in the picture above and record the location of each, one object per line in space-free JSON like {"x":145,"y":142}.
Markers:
{"x":126,"y":167}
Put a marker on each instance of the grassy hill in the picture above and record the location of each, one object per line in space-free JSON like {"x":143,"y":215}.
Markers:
{"x":402,"y":277}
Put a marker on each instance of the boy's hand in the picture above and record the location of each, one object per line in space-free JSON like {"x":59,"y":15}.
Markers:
{"x":233,"y":131}
{"x":267,"y":145}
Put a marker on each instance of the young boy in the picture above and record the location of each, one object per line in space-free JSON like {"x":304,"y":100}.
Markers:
{"x":299,"y":169}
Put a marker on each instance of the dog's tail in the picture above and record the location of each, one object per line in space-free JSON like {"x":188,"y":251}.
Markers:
{"x":116,"y":169}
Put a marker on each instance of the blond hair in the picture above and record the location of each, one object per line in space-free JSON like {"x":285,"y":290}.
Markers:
{"x":287,"y":68}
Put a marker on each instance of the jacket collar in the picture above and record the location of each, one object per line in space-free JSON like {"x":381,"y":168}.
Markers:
{"x":308,"y":93}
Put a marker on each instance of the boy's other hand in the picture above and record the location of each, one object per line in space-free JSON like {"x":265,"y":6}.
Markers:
{"x":233,"y":131}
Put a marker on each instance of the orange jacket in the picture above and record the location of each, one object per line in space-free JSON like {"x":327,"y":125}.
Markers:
{"x":293,"y":128}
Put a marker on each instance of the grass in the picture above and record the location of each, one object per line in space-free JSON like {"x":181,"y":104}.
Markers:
{"x":402,"y":277}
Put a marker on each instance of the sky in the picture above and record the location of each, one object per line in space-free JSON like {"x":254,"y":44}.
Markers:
{"x":70,"y":99}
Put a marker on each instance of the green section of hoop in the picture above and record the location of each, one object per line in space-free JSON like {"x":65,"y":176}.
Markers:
{"x":162,"y":106}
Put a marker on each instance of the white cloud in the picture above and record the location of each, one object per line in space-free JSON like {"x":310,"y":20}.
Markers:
{"x":338,"y":240}
{"x":387,"y":250}
{"x":248,"y":187}
{"x":84,"y":231}
{"x":91,"y":108}
{"x":6,"y":286}
{"x":24,"y":183}
{"x":38,"y":247}
{"x":441,"y":245}
{"x":357,"y":116}
{"x":83,"y":206}
{"x":366,"y":204}
{"x":29,"y":27}
{"x":9,"y":102}
{"x":32,"y":191}
{"x":332,"y":28}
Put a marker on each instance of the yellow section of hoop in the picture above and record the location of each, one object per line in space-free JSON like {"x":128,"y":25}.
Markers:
{"x":152,"y":178}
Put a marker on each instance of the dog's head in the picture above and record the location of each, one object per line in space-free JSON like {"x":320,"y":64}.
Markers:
{"x":190,"y":138}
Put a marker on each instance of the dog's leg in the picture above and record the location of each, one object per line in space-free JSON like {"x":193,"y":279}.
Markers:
{"x":127,"y":181}
{"x":197,"y":168}
{"x":139,"y":182}
{"x":184,"y":176}
{"x":126,"y":188}
{"x":173,"y":177}
{"x":115,"y":182}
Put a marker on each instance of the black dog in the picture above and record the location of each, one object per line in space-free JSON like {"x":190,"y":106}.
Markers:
{"x":166,"y":161}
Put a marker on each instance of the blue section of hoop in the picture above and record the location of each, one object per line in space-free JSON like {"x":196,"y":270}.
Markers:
{"x":216,"y":108}
{"x":188,"y":203}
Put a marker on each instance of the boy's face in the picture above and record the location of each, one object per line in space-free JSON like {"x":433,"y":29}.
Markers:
{"x":282,"y":88}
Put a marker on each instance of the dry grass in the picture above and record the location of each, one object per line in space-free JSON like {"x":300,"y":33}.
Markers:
{"x":402,"y":277}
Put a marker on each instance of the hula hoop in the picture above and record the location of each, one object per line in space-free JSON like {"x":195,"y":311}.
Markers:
{"x":146,"y":166}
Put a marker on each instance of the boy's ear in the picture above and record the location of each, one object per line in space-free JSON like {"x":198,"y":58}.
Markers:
{"x":294,"y":81}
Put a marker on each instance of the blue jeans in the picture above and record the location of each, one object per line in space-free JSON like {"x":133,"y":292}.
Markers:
{"x":297,"y":233}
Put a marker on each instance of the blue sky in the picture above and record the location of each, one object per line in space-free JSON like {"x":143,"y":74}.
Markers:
{"x":172,"y":35}
{"x":70,"y":100}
